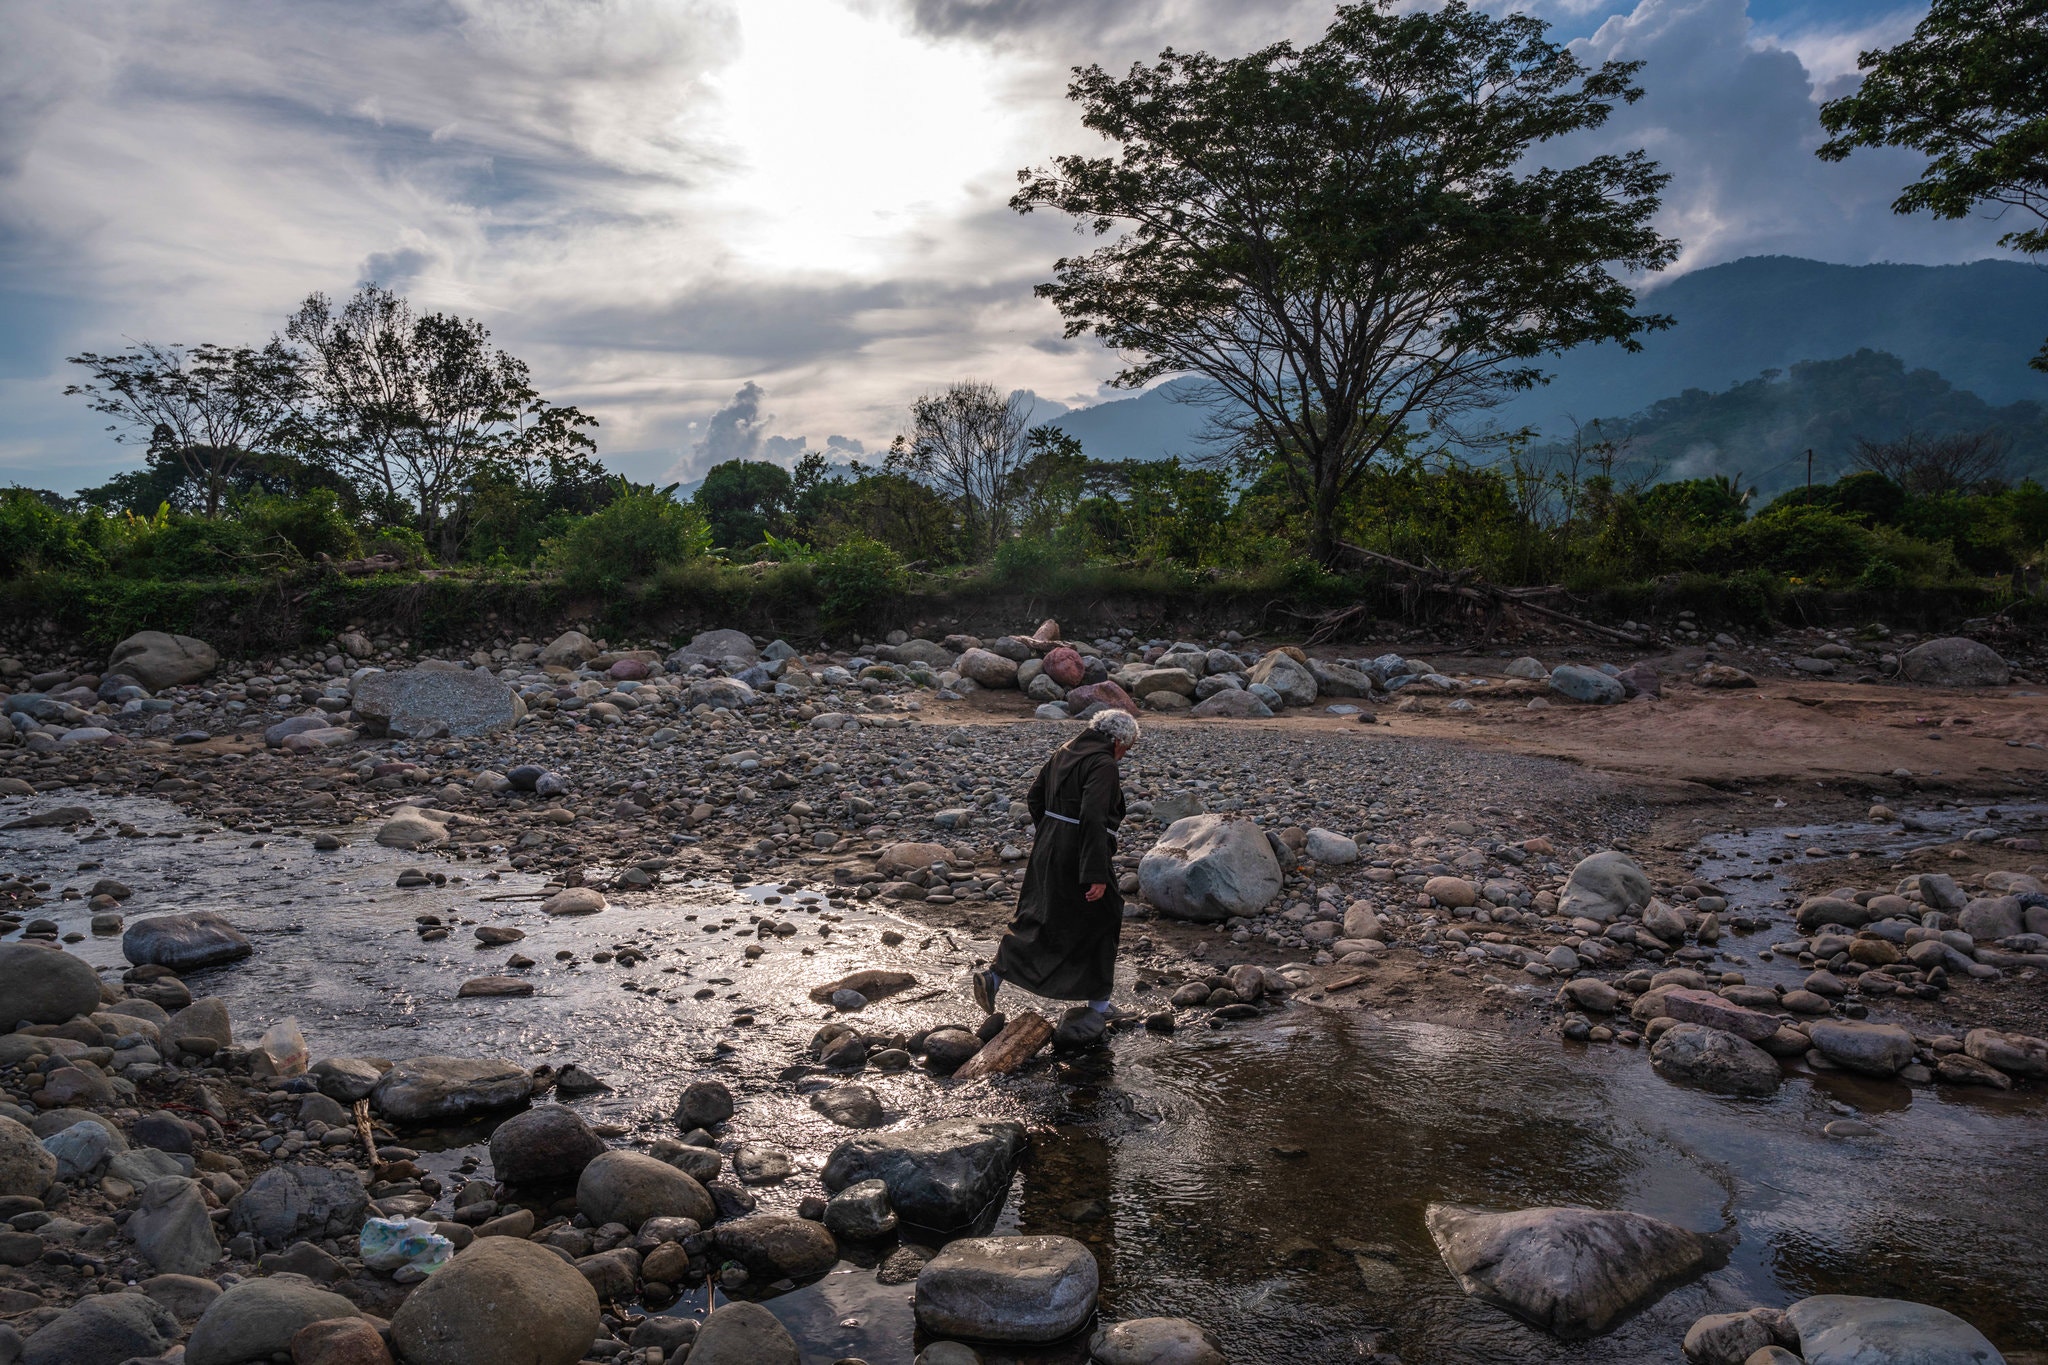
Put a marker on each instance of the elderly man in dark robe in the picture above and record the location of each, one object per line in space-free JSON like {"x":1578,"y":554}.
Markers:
{"x":1062,"y":943}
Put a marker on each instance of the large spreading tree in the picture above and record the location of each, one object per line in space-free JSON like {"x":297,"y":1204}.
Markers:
{"x":1969,"y":89}
{"x":208,"y":412}
{"x":1353,"y":241}
{"x":413,"y":407}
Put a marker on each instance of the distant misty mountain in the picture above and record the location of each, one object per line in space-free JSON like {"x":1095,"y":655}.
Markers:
{"x":1759,"y":431}
{"x":1975,"y":326}
{"x":1153,"y":425}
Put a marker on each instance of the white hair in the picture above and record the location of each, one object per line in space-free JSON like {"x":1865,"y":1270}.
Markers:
{"x":1120,"y":726}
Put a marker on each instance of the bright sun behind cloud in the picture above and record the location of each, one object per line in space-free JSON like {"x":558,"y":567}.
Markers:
{"x":848,"y":130}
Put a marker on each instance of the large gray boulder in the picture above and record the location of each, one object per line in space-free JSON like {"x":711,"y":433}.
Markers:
{"x":291,"y":1202}
{"x":185,"y":941}
{"x":729,"y":693}
{"x":157,"y":660}
{"x":2019,"y":1054}
{"x":1210,"y":867}
{"x":428,"y":703}
{"x":1286,"y":675}
{"x":1231,"y":704}
{"x":1604,"y":887}
{"x":1954,"y":662}
{"x":776,"y":1246}
{"x":716,"y":649}
{"x":547,"y":1143}
{"x":568,"y":650}
{"x":171,"y":1229}
{"x":26,"y":1166}
{"x":987,"y":668}
{"x":944,"y":1176}
{"x":1873,"y":1049}
{"x":1713,"y":1059}
{"x":1573,"y":1272}
{"x":1144,"y":683}
{"x":105,"y":1329}
{"x":44,"y":985}
{"x":1008,"y":1289}
{"x":257,"y":1319}
{"x":202,"y":1027}
{"x":1335,"y":680}
{"x":744,"y":1334}
{"x":631,"y":1187}
{"x":1845,"y":1329}
{"x":427,"y":1089}
{"x":1990,"y":918}
{"x":504,"y":1300}
{"x":917,"y":652}
{"x":1580,"y":683}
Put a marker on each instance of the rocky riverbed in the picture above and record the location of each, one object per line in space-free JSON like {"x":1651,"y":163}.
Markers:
{"x":717,"y":905}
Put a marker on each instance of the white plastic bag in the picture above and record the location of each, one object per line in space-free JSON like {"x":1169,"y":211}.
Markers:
{"x":408,"y":1247}
{"x":285,"y":1046}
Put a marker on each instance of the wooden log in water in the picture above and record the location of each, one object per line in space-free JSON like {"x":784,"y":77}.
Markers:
{"x":1017,"y":1044}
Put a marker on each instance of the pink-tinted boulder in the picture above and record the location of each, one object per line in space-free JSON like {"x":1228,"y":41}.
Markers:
{"x":1064,"y":667}
{"x":1108,"y":693}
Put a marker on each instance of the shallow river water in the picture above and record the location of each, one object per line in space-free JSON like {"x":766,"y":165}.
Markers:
{"x":1267,"y":1180}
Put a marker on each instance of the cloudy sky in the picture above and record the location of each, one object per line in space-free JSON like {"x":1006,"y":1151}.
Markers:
{"x":724,"y":226}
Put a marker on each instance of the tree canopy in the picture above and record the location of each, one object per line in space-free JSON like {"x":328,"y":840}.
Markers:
{"x":1970,"y":90}
{"x":1349,"y":239}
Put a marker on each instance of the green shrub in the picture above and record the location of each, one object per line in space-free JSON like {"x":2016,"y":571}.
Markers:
{"x":1810,"y":542}
{"x":35,"y":535}
{"x":402,"y":543}
{"x":855,"y":578}
{"x":1029,"y":561}
{"x":640,"y":532}
{"x":311,"y":526}
{"x":174,"y":545}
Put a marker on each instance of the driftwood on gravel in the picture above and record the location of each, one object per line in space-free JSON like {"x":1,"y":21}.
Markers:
{"x":1463,"y":588}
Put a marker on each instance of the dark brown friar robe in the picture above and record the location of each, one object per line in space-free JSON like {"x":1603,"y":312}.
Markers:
{"x":1062,"y":945}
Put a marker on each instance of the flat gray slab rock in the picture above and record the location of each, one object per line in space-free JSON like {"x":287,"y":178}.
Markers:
{"x":1843,"y":1329}
{"x":184,"y":942}
{"x":426,"y":703}
{"x":1573,"y":1272}
{"x":424,"y":1089}
{"x":944,"y":1176}
{"x":1008,"y":1289}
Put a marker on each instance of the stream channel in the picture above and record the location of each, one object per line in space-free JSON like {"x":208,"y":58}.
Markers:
{"x":1267,"y":1180}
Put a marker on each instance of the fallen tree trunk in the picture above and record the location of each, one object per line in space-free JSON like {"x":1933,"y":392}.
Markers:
{"x":1419,"y":581}
{"x":1017,"y":1044}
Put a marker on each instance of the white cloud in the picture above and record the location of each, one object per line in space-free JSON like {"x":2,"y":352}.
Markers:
{"x":656,"y":202}
{"x":1732,"y":115}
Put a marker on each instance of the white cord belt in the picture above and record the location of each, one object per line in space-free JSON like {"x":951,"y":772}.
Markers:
{"x":1055,"y":815}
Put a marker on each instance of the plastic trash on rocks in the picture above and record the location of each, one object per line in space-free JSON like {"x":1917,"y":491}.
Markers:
{"x":285,"y":1046}
{"x":409,"y":1248}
